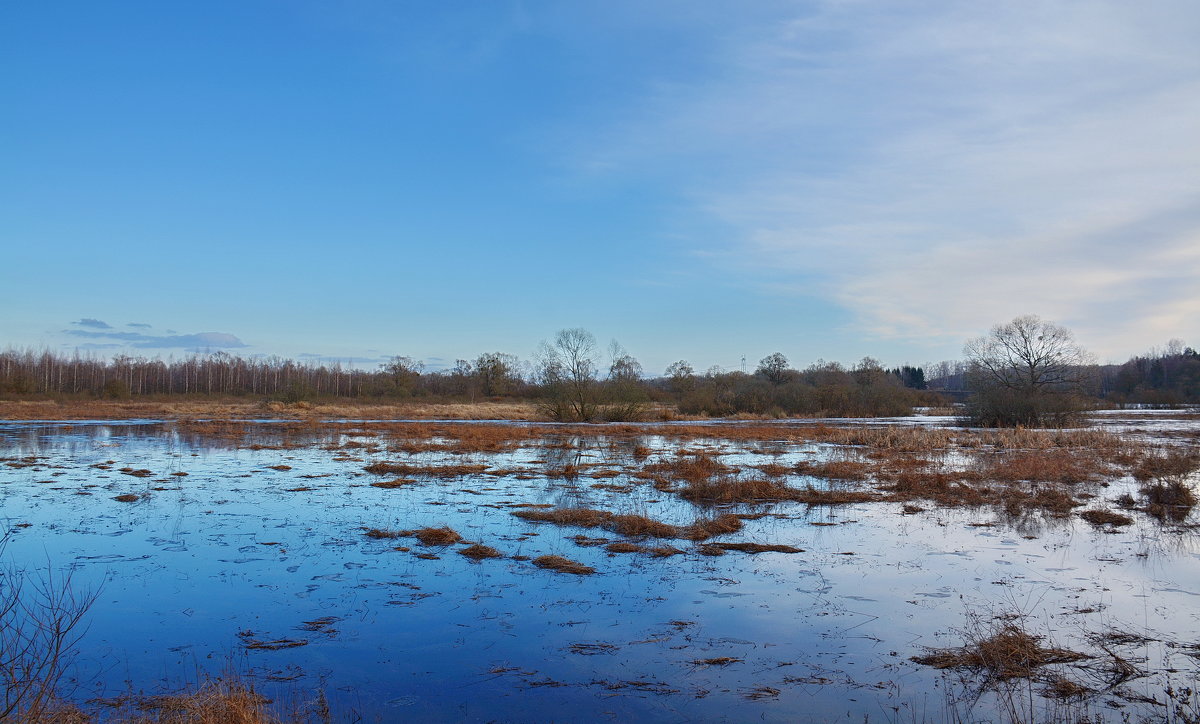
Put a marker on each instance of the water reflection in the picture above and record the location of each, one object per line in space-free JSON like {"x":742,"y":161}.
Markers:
{"x":265,"y":535}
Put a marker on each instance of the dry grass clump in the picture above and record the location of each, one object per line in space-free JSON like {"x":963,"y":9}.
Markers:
{"x":127,"y":498}
{"x":582,"y":517}
{"x":484,"y":438}
{"x":708,"y":548}
{"x":773,"y":470}
{"x":443,"y":536}
{"x":584,"y":541}
{"x":717,"y":661}
{"x":911,"y":478}
{"x":1105,"y":517}
{"x":1054,"y":500}
{"x":640,"y":526}
{"x":691,"y":466}
{"x":218,"y":701}
{"x":1063,"y":688}
{"x":623,"y":547}
{"x":1007,"y":651}
{"x":1170,"y":465}
{"x":729,"y":489}
{"x":835,"y":469}
{"x":1052,"y":466}
{"x":705,"y":528}
{"x":55,"y":712}
{"x":633,"y":525}
{"x":756,"y":490}
{"x":254,"y":644}
{"x":656,"y":551}
{"x":1164,"y":477}
{"x":385,"y":468}
{"x":389,"y":484}
{"x":434,"y":471}
{"x":563,"y":565}
{"x":945,"y":488}
{"x":887,"y":437}
{"x":569,"y":471}
{"x":1172,"y":500}
{"x":479,"y":552}
{"x":760,"y":693}
{"x":385,"y":533}
{"x":833,"y":496}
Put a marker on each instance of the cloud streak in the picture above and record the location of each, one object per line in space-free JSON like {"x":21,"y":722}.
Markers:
{"x":138,"y":340}
{"x":92,"y":323}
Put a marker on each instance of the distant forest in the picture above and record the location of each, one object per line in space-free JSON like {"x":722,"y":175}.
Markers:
{"x":615,"y":387}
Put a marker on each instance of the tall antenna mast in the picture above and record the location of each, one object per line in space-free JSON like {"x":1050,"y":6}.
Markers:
{"x":743,"y":364}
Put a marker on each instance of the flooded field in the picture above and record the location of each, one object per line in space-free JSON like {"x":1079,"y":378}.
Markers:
{"x":728,"y":572}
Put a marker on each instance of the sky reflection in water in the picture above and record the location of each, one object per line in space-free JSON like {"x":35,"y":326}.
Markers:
{"x":236,"y":552}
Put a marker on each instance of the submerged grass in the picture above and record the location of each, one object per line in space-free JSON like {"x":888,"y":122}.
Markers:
{"x":633,"y":525}
{"x":1172,"y":500}
{"x":449,"y":470}
{"x":383,"y":533}
{"x":1105,"y":517}
{"x":751,"y":548}
{"x":729,"y":489}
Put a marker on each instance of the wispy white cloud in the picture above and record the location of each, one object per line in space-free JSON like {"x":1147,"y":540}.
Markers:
{"x":937,"y":167}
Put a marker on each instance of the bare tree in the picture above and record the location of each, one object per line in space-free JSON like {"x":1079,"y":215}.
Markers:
{"x":40,"y":630}
{"x":567,"y":371}
{"x":497,"y":372}
{"x":1028,"y":371}
{"x":774,"y":367}
{"x":682,"y":375}
{"x":404,"y":372}
{"x":1028,"y":354}
{"x":624,"y":393}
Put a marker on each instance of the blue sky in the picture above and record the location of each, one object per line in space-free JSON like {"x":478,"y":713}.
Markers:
{"x":699,"y":180}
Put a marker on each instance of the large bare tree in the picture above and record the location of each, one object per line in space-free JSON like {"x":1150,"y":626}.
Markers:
{"x":1028,"y":354}
{"x":567,"y":370}
{"x":1026,"y":372}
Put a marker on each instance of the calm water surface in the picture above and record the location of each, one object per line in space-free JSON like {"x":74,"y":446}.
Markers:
{"x":238,"y":552}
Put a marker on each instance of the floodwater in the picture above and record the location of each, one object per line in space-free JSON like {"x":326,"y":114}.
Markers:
{"x":256,"y":561}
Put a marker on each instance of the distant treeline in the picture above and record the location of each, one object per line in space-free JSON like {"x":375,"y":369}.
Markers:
{"x":569,"y":388}
{"x":570,"y":381}
{"x":1170,"y":376}
{"x":220,"y":373}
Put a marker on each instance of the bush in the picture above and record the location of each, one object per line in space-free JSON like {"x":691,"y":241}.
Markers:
{"x":115,"y":390}
{"x":1016,"y":408}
